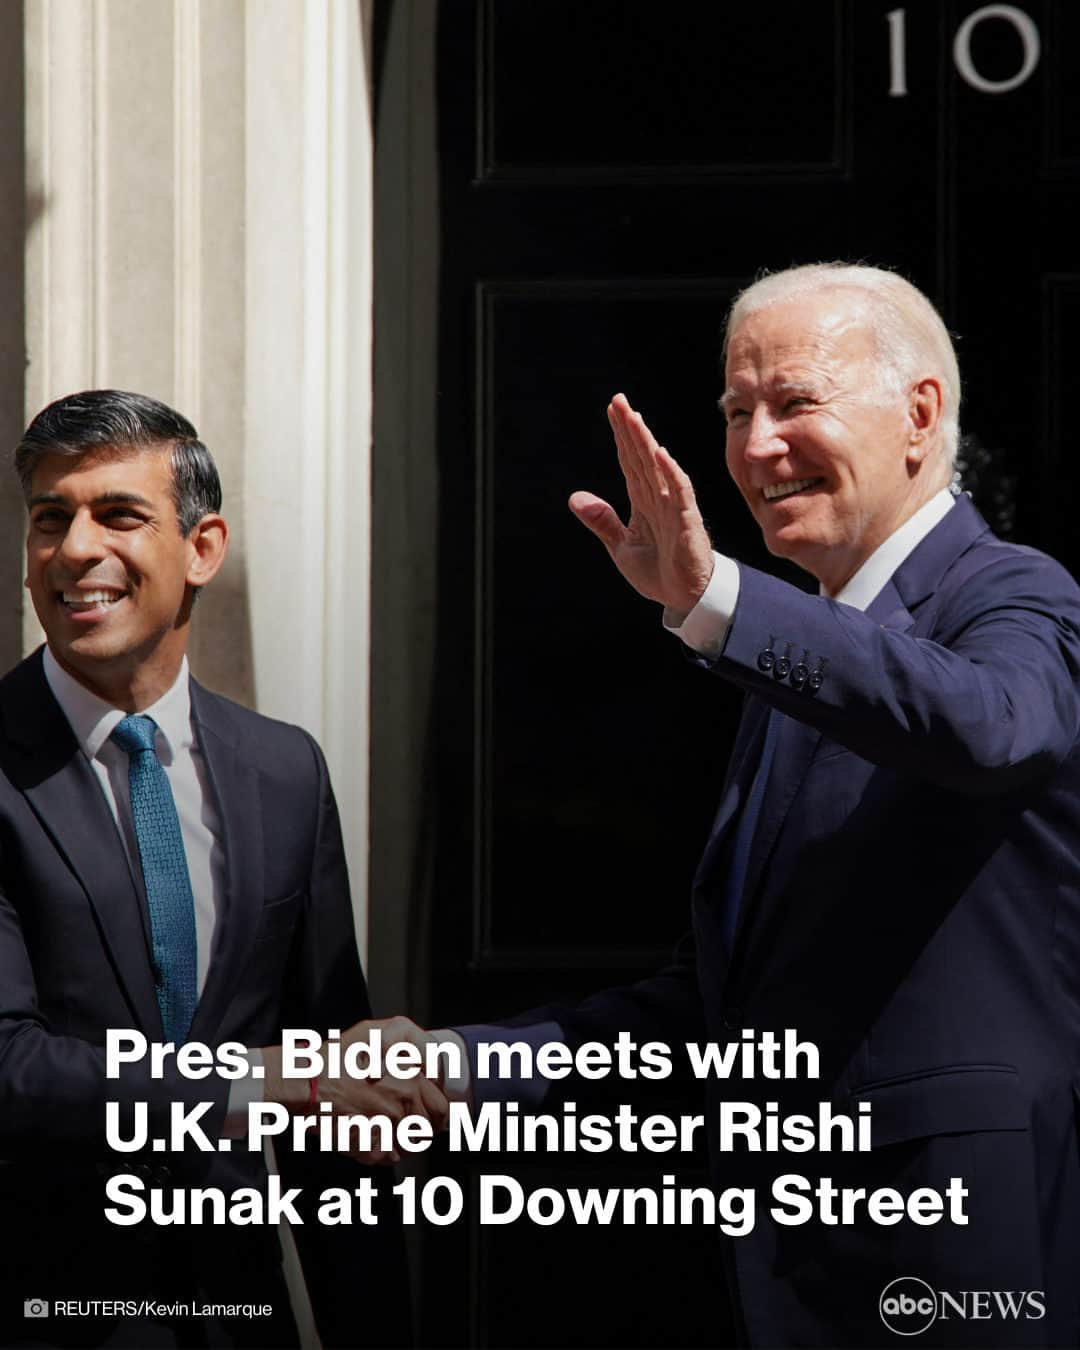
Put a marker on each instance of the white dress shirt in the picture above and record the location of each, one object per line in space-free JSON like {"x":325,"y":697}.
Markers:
{"x":705,"y":627}
{"x":93,"y":721}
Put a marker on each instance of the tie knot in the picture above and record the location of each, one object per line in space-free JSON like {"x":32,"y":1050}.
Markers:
{"x":135,"y":733}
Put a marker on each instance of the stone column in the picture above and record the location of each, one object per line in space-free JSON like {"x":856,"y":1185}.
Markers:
{"x":198,"y":184}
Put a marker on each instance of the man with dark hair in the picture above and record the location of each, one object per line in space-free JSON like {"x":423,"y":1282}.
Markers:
{"x":100,"y":418}
{"x":170,"y":862}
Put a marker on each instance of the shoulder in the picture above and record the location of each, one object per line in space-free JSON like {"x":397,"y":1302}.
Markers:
{"x":988,"y":550}
{"x":26,"y":680}
{"x":274,"y":746}
{"x":994,"y":572}
{"x":29,"y":715}
{"x":962,"y":570}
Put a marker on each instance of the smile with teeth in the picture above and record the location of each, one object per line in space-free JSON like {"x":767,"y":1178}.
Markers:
{"x":81,"y":601}
{"x":777,"y":490}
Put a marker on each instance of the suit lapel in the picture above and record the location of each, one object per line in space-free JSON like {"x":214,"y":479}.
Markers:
{"x":795,"y":747}
{"x":919,"y":575}
{"x":889,"y":610}
{"x":739,"y":777}
{"x":914,"y":580}
{"x":50,"y":769}
{"x":234,"y":782}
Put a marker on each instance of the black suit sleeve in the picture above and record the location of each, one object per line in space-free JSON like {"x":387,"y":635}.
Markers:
{"x":356,"y":1277}
{"x":54,"y":1089}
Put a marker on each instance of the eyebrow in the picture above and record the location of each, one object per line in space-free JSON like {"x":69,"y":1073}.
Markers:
{"x":730,"y":395}
{"x":103,"y":499}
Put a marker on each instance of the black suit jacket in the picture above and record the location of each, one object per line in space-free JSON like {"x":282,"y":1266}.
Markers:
{"x":912,"y":907}
{"x":75,"y":960}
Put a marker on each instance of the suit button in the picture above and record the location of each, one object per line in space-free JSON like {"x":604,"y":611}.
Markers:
{"x":782,"y":669}
{"x":732,"y":1019}
{"x":799,"y":675}
{"x":816,"y":680}
{"x":766,"y":660}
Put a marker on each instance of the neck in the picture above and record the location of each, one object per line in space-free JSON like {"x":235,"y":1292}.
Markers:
{"x":835,"y":571}
{"x":131,"y":690}
{"x":833,"y":577}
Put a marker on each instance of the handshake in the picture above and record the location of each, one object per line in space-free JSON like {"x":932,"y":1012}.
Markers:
{"x":388,"y":1068}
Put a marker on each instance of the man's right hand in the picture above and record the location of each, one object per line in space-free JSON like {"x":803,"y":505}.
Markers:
{"x":392,"y":1097}
{"x":664,"y":550}
{"x":389,"y":1096}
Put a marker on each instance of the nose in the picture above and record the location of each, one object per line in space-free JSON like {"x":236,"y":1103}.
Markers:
{"x":763,"y":440}
{"x":83,"y":540}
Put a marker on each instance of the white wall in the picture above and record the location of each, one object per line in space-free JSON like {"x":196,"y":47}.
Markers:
{"x":203,"y":172}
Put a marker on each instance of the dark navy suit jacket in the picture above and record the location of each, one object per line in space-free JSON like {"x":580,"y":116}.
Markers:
{"x":913,"y":908}
{"x":75,"y":960}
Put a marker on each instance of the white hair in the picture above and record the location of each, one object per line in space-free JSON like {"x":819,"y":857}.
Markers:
{"x":909,"y":336}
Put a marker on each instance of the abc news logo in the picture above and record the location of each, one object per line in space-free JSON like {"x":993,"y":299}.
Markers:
{"x":908,"y":1306}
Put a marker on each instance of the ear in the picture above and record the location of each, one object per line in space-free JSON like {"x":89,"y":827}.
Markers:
{"x":925,"y":408}
{"x":209,"y":541}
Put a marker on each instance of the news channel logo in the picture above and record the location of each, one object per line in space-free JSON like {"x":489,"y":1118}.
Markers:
{"x":908,"y":1306}
{"x":35,"y":1307}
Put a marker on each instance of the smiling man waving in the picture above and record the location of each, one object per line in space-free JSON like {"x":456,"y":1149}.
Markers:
{"x":894,"y":869}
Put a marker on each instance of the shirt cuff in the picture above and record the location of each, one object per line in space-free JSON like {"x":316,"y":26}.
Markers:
{"x":528,"y":1093}
{"x":242,"y":1092}
{"x":705,"y":628}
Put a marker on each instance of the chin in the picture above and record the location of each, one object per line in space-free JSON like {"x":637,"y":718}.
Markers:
{"x":803,"y":553}
{"x":91,"y":648}
{"x":786,"y":543}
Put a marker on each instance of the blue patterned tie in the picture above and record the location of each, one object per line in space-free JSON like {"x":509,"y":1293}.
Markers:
{"x":735,"y":888}
{"x":165,"y":875}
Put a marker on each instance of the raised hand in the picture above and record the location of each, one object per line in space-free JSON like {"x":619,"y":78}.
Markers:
{"x":664,"y":550}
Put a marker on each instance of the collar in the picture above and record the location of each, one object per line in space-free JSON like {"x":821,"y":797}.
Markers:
{"x":93,"y":720}
{"x":860,"y":590}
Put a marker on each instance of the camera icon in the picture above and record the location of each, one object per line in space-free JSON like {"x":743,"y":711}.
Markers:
{"x":35,"y":1307}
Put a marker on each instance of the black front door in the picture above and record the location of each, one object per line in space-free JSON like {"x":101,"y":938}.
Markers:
{"x":610,"y":173}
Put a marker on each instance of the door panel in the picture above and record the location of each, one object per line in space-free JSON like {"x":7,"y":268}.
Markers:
{"x":610,"y":174}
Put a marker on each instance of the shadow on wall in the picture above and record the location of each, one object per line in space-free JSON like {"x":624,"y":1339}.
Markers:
{"x":18,"y":218}
{"x":221,"y":647}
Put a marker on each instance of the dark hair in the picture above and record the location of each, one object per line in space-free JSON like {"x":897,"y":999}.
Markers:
{"x":95,"y":418}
